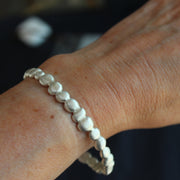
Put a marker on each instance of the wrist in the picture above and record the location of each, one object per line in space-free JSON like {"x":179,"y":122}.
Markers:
{"x":85,"y":82}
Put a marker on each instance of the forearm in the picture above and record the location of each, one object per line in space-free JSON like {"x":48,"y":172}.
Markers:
{"x":38,"y":138}
{"x":124,"y":81}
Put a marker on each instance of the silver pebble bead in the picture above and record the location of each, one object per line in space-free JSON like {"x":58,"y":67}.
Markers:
{"x":92,"y":161}
{"x":26,"y":74}
{"x":107,"y":161}
{"x":109,"y":170}
{"x":33,"y":72}
{"x":85,"y":157}
{"x":71,"y":105}
{"x":62,"y":96}
{"x":94,"y":134}
{"x":46,"y":80}
{"x":112,"y":163}
{"x":86,"y":124}
{"x":54,"y":88}
{"x":39,"y":74}
{"x":100,"y":143}
{"x":105,"y":152}
{"x":79,"y":115}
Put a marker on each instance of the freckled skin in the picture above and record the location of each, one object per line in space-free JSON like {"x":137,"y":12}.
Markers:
{"x":55,"y":73}
{"x":35,"y":110}
{"x":52,"y":116}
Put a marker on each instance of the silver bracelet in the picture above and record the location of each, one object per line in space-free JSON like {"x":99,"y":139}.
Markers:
{"x":85,"y":123}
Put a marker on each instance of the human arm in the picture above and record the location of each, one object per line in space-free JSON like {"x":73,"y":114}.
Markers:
{"x":127,"y":79}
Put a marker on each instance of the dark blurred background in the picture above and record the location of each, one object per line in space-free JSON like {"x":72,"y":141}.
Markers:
{"x":139,"y":154}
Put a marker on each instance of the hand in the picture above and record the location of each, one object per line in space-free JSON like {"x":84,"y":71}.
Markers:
{"x":127,"y":79}
{"x":130,"y":77}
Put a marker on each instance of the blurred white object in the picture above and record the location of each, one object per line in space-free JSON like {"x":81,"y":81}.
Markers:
{"x":87,"y":39}
{"x":34,"y":31}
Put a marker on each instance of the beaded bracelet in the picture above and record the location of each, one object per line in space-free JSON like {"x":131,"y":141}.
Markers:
{"x":85,"y":123}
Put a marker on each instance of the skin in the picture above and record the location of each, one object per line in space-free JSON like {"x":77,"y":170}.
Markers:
{"x":127,"y":79}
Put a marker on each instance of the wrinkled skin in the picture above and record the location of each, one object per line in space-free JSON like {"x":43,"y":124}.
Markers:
{"x":130,"y":77}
